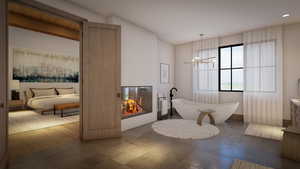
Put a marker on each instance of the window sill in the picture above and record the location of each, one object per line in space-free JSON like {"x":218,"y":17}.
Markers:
{"x":230,"y":91}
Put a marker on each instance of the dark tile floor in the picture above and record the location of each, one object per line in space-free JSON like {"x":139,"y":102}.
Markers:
{"x":141,"y":148}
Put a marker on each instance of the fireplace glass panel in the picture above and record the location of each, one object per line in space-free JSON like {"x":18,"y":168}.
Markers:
{"x":136,"y":100}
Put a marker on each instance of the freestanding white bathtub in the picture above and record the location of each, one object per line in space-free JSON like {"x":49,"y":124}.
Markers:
{"x":190,"y":110}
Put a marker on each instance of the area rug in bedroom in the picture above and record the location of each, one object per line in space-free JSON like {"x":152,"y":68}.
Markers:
{"x":185,"y":129}
{"x":28,"y":120}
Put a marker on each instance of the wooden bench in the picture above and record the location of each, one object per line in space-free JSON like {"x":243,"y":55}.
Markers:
{"x":204,"y":113}
{"x":65,"y":106}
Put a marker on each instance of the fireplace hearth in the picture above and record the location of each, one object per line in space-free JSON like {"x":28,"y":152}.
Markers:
{"x":136,"y":100}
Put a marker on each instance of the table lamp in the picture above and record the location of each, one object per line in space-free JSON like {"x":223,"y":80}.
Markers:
{"x":15,"y":86}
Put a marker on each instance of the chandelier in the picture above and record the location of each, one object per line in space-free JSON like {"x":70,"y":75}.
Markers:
{"x":198,"y":59}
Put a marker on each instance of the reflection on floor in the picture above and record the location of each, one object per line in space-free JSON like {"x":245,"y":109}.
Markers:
{"x":265,"y":131}
{"x":240,"y":164}
{"x":28,"y":120}
{"x":141,"y":148}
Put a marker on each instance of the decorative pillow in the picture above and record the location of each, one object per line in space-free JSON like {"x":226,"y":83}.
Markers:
{"x":37,"y":92}
{"x":62,"y":91}
{"x":28,"y":94}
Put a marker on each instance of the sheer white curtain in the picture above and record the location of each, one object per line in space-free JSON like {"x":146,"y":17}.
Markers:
{"x":205,"y":75}
{"x":263,"y":76}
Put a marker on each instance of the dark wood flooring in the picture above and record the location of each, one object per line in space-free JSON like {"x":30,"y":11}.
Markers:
{"x":141,"y":148}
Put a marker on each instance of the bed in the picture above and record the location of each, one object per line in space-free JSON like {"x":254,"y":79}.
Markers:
{"x":44,"y":99}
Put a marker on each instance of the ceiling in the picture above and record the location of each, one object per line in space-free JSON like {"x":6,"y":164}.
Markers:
{"x":180,"y":21}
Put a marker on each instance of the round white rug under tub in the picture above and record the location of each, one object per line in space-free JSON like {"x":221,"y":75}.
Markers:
{"x":185,"y":129}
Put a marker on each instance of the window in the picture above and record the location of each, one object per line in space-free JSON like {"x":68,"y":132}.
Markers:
{"x":231,"y":65}
{"x":205,"y":76}
{"x":260,"y":67}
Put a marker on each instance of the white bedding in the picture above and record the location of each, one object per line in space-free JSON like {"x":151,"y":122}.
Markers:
{"x":48,"y":102}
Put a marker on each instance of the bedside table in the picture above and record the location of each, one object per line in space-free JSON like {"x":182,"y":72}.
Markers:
{"x":14,"y":105}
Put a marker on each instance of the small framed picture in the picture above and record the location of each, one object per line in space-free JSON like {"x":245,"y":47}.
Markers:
{"x":164,"y":73}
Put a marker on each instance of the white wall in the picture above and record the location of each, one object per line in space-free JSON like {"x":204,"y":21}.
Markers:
{"x":291,"y":67}
{"x":291,"y":71}
{"x":141,"y":54}
{"x":183,"y":72}
{"x":40,"y":42}
{"x":166,"y":54}
{"x":138,"y":54}
{"x":138,"y":64}
{"x":75,"y":10}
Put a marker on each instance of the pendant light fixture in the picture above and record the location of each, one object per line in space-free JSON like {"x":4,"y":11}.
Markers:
{"x":197,"y":59}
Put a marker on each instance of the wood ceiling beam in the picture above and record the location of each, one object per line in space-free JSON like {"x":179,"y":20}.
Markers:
{"x":36,"y":5}
{"x":18,"y":20}
{"x":27,"y":17}
{"x":42,"y":16}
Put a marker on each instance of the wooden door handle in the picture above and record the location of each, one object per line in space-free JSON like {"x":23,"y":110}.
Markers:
{"x":118,"y":95}
{"x":1,"y":105}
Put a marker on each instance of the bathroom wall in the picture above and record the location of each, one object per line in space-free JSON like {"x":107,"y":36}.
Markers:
{"x":291,"y":68}
{"x":183,"y":72}
{"x":141,"y":54}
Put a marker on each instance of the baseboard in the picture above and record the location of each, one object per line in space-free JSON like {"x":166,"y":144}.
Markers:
{"x":240,"y":117}
{"x":4,"y":162}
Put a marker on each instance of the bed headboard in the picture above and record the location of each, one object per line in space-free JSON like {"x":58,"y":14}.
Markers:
{"x":29,"y":93}
{"x":26,"y":87}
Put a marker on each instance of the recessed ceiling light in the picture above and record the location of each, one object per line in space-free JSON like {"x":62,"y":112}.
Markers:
{"x":285,"y":15}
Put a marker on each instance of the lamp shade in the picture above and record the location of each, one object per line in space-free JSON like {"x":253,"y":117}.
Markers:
{"x":15,"y":85}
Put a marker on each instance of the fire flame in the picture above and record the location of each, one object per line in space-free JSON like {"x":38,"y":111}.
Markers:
{"x":131,"y":106}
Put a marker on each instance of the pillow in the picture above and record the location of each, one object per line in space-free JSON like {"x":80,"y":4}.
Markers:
{"x":62,"y":91}
{"x":28,"y":94}
{"x":36,"y":92}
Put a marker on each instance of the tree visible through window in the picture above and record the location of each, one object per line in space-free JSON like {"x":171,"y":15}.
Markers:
{"x":231,"y":75}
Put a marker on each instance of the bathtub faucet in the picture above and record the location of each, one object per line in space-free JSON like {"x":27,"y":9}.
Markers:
{"x":171,"y":98}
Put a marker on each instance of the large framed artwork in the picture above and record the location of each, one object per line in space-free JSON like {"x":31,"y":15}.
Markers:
{"x":164,"y":73}
{"x":33,"y":66}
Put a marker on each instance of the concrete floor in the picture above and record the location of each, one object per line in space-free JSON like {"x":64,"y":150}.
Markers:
{"x":141,"y":148}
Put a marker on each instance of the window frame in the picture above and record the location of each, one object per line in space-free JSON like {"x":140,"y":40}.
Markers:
{"x":231,"y":68}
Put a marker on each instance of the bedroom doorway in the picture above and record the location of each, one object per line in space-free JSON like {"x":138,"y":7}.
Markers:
{"x":43,"y":70}
{"x":99,"y":79}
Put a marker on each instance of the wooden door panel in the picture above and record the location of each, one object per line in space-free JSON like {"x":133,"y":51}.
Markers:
{"x":95,"y":86}
{"x":109,"y":71}
{"x":3,"y":84}
{"x":101,"y":81}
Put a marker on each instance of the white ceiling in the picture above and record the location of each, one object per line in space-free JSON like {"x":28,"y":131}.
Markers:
{"x":180,"y":21}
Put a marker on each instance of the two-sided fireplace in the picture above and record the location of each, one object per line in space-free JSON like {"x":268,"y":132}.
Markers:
{"x":136,"y":100}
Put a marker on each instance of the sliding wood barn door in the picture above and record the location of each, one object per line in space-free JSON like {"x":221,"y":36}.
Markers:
{"x":3,"y":84}
{"x":101,"y":69}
